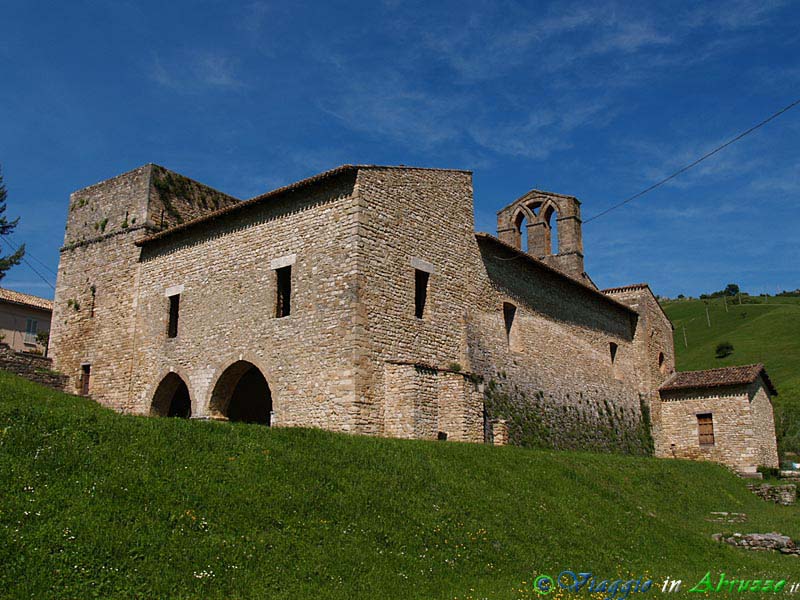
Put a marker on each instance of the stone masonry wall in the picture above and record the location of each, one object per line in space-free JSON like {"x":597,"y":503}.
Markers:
{"x":555,"y":384}
{"x":225,"y":274}
{"x":32,"y":367}
{"x":653,"y":340}
{"x":411,"y":219}
{"x":423,"y":402}
{"x":95,"y":302}
{"x":734,"y":442}
{"x":763,"y":425}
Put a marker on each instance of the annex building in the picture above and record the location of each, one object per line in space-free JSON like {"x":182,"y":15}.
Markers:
{"x":362,"y":300}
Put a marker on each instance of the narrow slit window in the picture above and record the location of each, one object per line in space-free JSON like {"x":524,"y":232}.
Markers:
{"x":283,"y":300}
{"x":705,"y":429}
{"x":86,"y":371}
{"x":174,"y":312}
{"x":420,"y":292}
{"x":512,"y":333}
{"x":612,"y":348}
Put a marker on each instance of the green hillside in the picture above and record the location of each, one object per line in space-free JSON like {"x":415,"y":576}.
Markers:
{"x":761,"y":329}
{"x":96,"y":504}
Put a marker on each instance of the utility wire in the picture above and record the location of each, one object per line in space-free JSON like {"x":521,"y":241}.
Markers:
{"x":695,"y":163}
{"x":29,"y":265}
{"x":29,"y":255}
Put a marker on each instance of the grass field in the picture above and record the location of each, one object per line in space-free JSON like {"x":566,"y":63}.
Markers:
{"x":764,"y":329}
{"x":98,"y":505}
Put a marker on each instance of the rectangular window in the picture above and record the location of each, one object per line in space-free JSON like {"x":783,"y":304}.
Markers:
{"x":174,"y":312}
{"x":31,"y":329}
{"x":420,"y":292}
{"x":283,"y":300}
{"x":86,"y":371}
{"x":705,"y":429}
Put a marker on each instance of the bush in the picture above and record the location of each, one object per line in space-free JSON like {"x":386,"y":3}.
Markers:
{"x":769,"y":472}
{"x":724,"y":349}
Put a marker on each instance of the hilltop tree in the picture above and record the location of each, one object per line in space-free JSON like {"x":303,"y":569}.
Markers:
{"x":6,"y":228}
{"x":731,"y":289}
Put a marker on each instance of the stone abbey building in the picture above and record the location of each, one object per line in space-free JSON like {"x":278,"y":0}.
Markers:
{"x":362,"y":300}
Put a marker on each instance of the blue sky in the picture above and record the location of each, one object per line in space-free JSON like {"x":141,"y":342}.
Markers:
{"x":596,"y":100}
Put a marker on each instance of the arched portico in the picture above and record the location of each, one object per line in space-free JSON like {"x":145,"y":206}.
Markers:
{"x":242,"y":394}
{"x":172,"y":398}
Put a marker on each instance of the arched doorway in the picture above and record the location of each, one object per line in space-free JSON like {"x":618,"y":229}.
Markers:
{"x":242,"y":394}
{"x":172,"y":398}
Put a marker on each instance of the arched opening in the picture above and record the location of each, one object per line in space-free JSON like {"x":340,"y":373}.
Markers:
{"x":172,"y":398}
{"x":551,"y":220}
{"x":662,"y":364}
{"x":242,"y":394}
{"x":521,"y":232}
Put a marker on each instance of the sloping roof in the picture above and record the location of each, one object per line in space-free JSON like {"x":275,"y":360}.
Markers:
{"x":245,"y":204}
{"x":25,"y":299}
{"x":542,"y":265}
{"x":712,"y":378}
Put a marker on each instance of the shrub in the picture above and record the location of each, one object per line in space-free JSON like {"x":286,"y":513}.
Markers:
{"x":724,"y":349}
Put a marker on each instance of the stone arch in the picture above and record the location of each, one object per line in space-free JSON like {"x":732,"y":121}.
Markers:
{"x":171,"y":398}
{"x":523,"y":217}
{"x":549,"y":216}
{"x":242,"y":393}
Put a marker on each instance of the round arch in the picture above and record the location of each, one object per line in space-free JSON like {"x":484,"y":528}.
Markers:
{"x":172,"y":398}
{"x":242,"y":394}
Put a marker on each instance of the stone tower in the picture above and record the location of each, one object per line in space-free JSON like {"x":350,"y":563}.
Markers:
{"x":541,"y":217}
{"x":93,"y":334}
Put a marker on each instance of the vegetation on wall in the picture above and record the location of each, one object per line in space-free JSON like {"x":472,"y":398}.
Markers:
{"x":539,"y":420}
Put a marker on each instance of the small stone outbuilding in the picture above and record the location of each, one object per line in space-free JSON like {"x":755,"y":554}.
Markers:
{"x":724,"y":415}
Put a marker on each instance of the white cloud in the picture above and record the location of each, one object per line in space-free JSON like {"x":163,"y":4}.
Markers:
{"x":196,"y":71}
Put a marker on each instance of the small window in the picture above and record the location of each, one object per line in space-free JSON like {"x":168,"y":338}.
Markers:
{"x":612,"y":347}
{"x":283,"y":300}
{"x":86,"y":371}
{"x":174,"y":312}
{"x":31,"y":329}
{"x":420,"y":292}
{"x":512,"y":329}
{"x":705,"y":429}
{"x":662,"y":364}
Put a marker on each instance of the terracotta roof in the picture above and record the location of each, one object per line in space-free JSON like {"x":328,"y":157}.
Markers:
{"x":626,"y":288}
{"x":540,"y":264}
{"x":726,"y":376}
{"x":25,"y":299}
{"x":243,"y":205}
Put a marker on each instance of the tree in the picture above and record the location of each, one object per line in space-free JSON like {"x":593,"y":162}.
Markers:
{"x":731,"y":289}
{"x":6,"y":228}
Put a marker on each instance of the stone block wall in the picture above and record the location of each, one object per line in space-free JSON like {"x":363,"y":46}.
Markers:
{"x":735,"y":441}
{"x":95,"y":302}
{"x":763,"y":425}
{"x":425,"y":403}
{"x":32,"y":367}
{"x":556,"y":385}
{"x":225,"y":273}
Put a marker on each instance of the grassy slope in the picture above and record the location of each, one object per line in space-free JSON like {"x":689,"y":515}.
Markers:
{"x":767,"y":332}
{"x":94,"y":504}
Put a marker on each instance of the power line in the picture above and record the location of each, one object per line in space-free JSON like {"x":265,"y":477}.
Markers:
{"x":29,"y":255}
{"x":696,"y":162}
{"x":29,"y":265}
